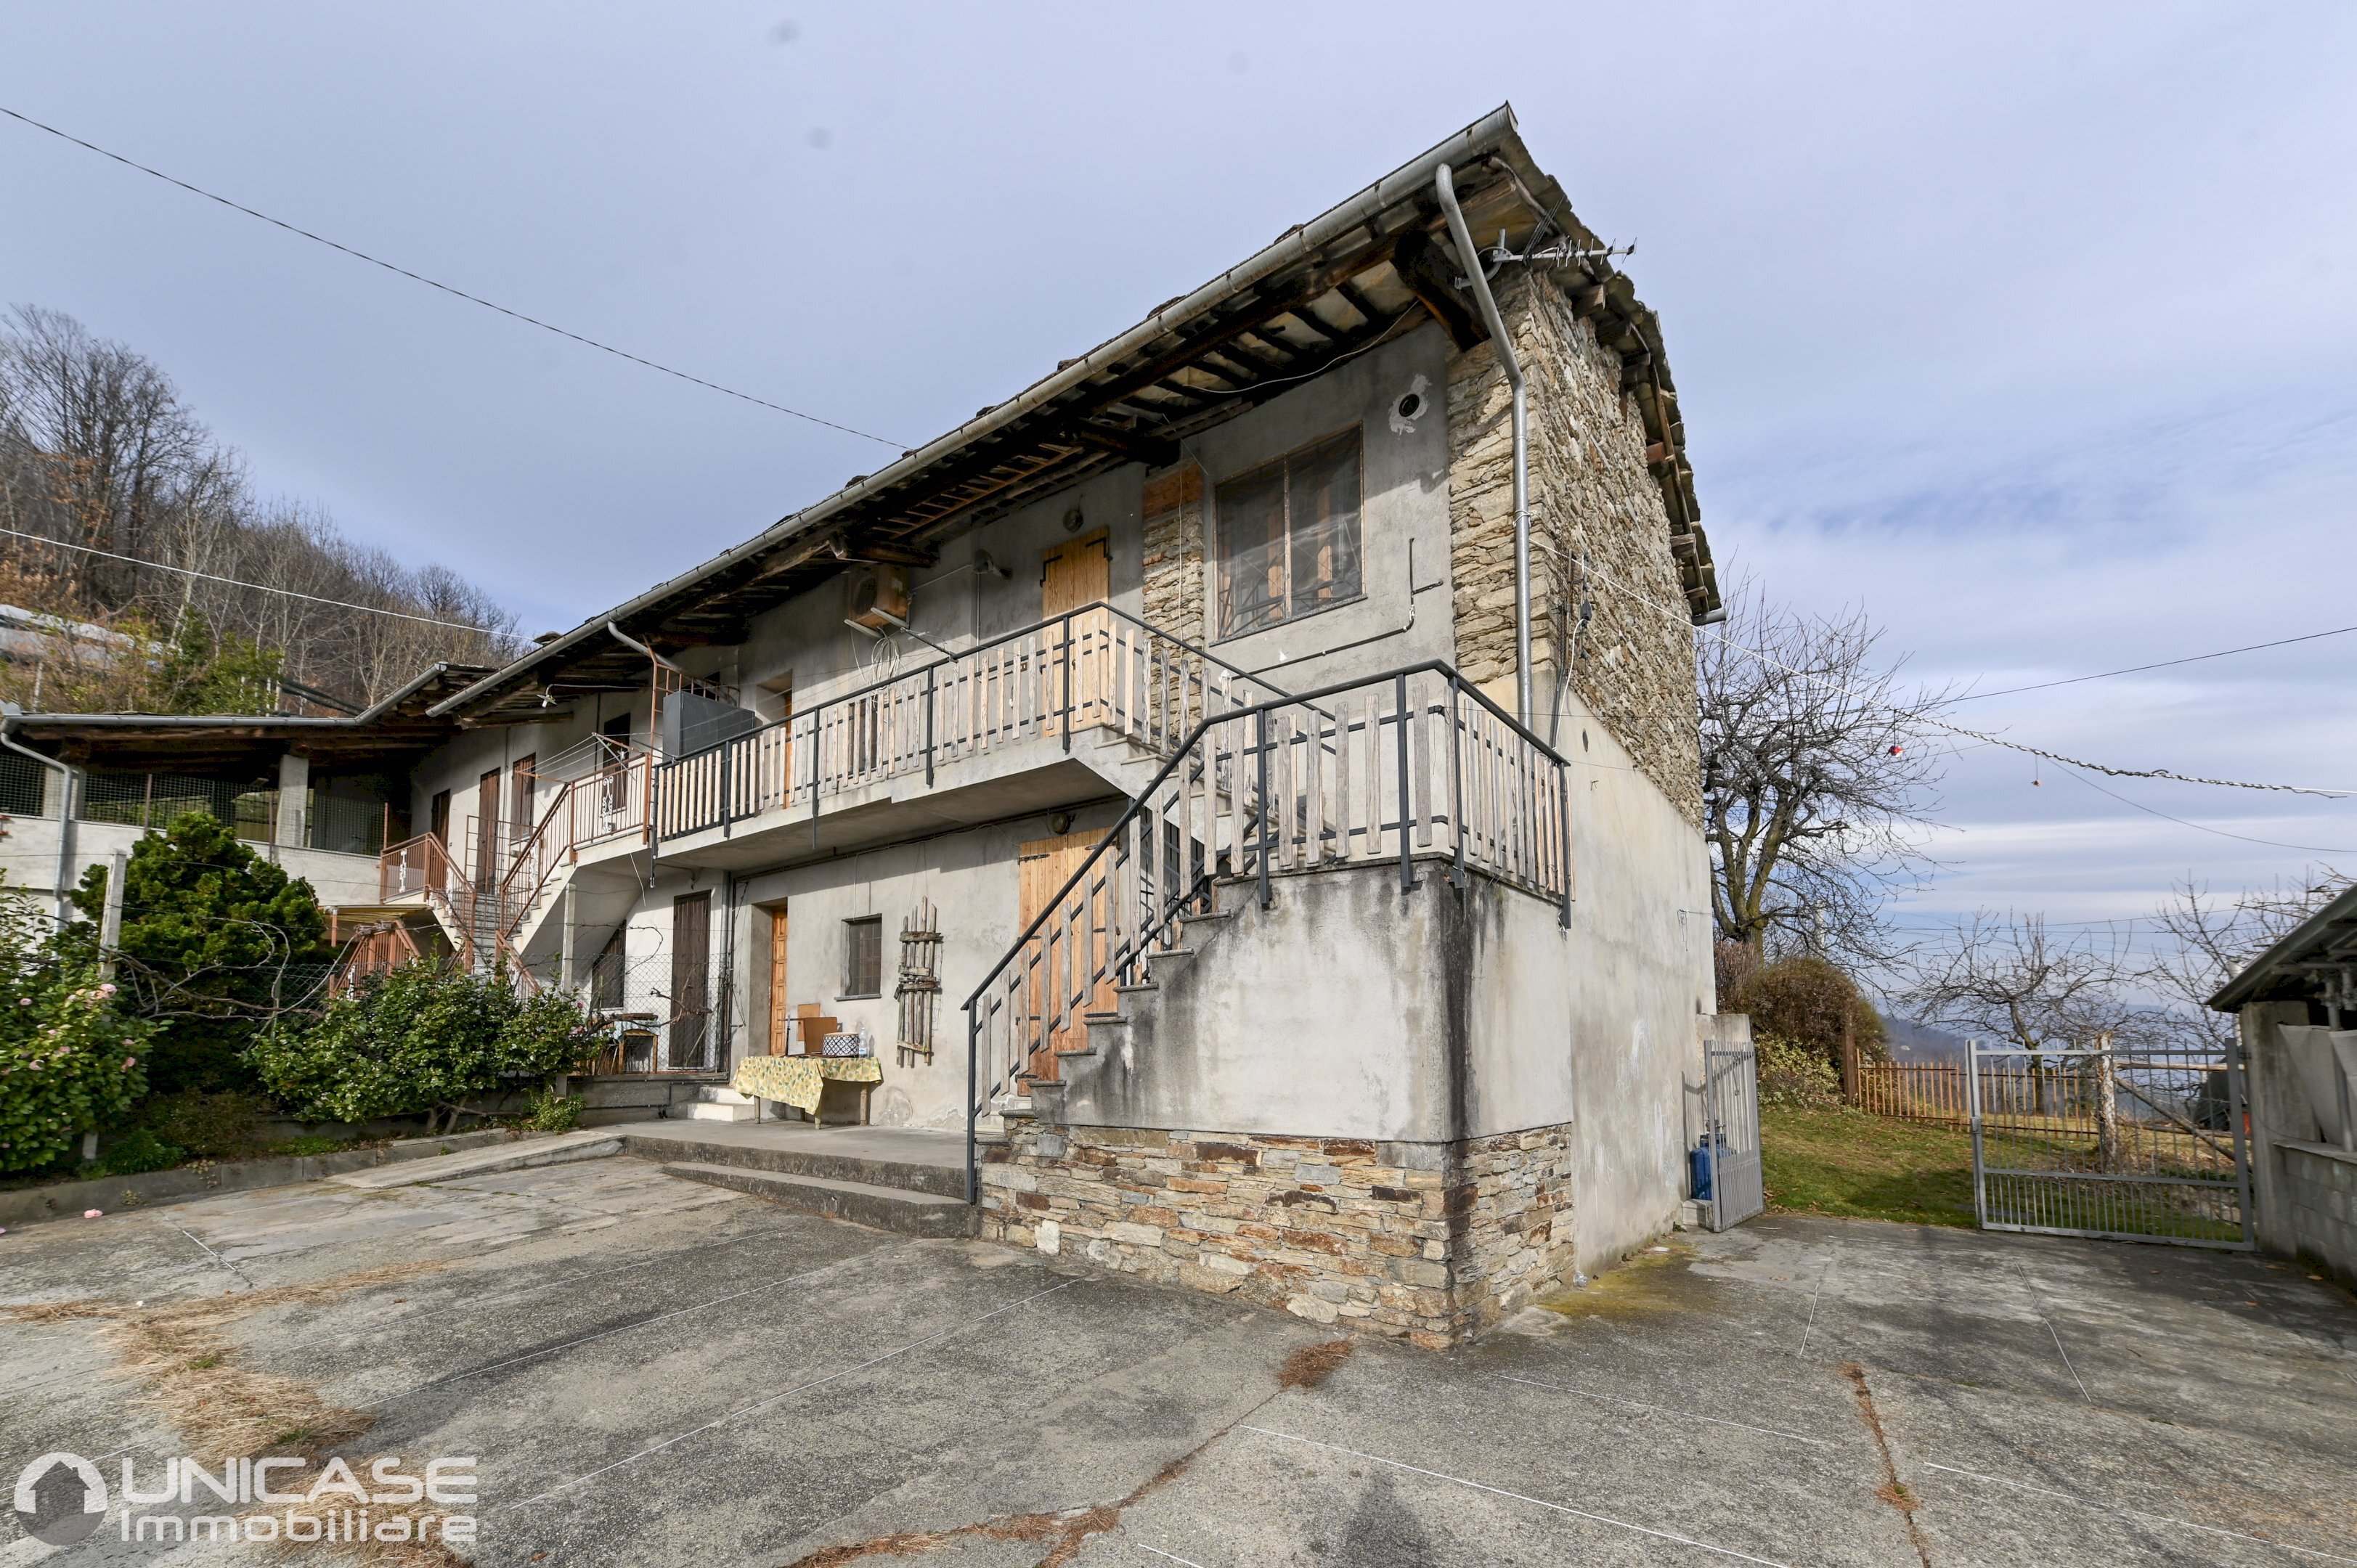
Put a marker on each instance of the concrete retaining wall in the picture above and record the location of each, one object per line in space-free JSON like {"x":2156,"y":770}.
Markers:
{"x":70,"y":1199}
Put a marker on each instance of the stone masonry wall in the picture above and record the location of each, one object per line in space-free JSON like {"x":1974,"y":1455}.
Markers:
{"x":1591,"y":498}
{"x":1174,"y":552}
{"x":1425,"y":1242}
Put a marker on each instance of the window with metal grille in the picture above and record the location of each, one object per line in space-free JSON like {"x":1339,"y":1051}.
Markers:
{"x":862,"y":956}
{"x":1287,"y":536}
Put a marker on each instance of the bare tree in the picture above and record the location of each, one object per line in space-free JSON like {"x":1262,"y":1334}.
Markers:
{"x":2007,"y":977}
{"x":97,"y":450}
{"x":2212,"y":939}
{"x":1815,"y":777}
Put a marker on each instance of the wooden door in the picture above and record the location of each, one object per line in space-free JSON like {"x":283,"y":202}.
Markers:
{"x":437,"y":819}
{"x":519,"y":783}
{"x":779,"y":1012}
{"x":1074,"y":577}
{"x":1076,"y":574}
{"x":1044,"y":865}
{"x":487,"y":830}
{"x":691,"y":978}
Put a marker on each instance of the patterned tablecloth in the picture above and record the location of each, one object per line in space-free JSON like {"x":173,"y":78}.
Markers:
{"x":796,"y":1080}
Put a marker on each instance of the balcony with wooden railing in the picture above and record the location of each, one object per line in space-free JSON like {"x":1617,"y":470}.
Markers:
{"x":1094,"y":675}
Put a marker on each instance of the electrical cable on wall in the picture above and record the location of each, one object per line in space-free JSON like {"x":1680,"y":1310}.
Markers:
{"x":443,"y":287}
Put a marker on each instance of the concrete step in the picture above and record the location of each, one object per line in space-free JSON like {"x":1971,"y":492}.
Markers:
{"x":720,"y":1094}
{"x":521,"y":1154}
{"x":862,"y":1203}
{"x":702,"y":1110}
{"x":942,"y":1176}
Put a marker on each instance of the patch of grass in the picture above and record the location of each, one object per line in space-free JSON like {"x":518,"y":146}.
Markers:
{"x":1849,"y":1162}
{"x":311,"y":1144}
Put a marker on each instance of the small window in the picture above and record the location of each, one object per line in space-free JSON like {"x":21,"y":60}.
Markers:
{"x":862,"y":956}
{"x":1288,"y":536}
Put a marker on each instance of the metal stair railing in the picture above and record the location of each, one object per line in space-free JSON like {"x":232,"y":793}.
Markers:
{"x":423,"y":866}
{"x":1096,"y":668}
{"x":1411,"y":763}
{"x":608,"y":803}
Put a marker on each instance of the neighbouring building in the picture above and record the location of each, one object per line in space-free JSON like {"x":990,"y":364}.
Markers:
{"x":1149,"y":768}
{"x":2295,"y":1011}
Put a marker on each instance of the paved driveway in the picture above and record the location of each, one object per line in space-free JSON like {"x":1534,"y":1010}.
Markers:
{"x":652,"y":1372}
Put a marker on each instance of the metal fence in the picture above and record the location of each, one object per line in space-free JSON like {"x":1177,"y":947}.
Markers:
{"x":22,"y":783}
{"x":2138,"y":1144}
{"x":656,"y":1019}
{"x":158,"y":800}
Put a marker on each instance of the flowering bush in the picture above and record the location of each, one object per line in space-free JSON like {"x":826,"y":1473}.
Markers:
{"x":69,"y":1061}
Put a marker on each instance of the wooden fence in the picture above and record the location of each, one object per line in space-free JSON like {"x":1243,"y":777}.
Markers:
{"x":1931,"y":1093}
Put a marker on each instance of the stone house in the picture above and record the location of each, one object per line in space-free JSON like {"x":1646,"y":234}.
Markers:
{"x":1186,"y":778}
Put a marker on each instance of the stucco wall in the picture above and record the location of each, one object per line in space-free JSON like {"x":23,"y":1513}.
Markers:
{"x":1351,"y":1009}
{"x":1592,"y":497}
{"x":2303,"y":1189}
{"x":972,"y":879}
{"x":28,"y":860}
{"x":1399,"y":619}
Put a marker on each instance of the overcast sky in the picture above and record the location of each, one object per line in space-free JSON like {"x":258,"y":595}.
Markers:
{"x":2029,"y":328}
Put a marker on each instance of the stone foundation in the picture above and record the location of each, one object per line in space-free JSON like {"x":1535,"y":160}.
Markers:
{"x":1428,"y":1242}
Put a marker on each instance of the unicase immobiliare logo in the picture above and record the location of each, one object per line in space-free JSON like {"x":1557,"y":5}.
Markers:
{"x":61,"y":1499}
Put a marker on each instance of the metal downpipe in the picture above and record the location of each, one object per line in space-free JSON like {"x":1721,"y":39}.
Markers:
{"x":1445,"y":187}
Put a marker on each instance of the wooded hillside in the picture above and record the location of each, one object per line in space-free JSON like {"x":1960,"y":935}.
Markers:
{"x":97,"y":449}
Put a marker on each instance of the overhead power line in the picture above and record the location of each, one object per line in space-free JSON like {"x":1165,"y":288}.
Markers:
{"x":2204,"y":827}
{"x":234,"y":583}
{"x":1685,"y":617}
{"x":2164,"y":665}
{"x":445,"y":288}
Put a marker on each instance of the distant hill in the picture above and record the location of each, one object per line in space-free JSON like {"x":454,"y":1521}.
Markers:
{"x":106,"y":475}
{"x":1912,"y":1042}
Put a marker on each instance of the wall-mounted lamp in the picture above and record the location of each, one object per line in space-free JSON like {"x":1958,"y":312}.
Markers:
{"x":985,"y":565}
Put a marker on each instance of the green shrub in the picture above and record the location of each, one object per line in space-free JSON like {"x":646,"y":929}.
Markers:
{"x":216,"y":943}
{"x":1795,"y":1075}
{"x":210,"y":1126}
{"x":138,"y":1151}
{"x":549,"y":1111}
{"x":70,"y":1061}
{"x":308,"y":1143}
{"x":424,"y":1037}
{"x":1805,"y":1001}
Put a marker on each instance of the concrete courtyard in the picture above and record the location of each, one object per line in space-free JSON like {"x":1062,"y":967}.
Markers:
{"x":650,"y":1371}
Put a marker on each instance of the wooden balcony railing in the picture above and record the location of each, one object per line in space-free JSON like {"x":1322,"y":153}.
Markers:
{"x":1098,"y":668}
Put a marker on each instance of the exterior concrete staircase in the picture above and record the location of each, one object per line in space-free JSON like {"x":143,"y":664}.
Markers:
{"x":887,"y":1178}
{"x":714,"y":1104}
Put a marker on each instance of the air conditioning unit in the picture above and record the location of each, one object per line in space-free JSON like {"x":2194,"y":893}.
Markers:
{"x":879,"y":596}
